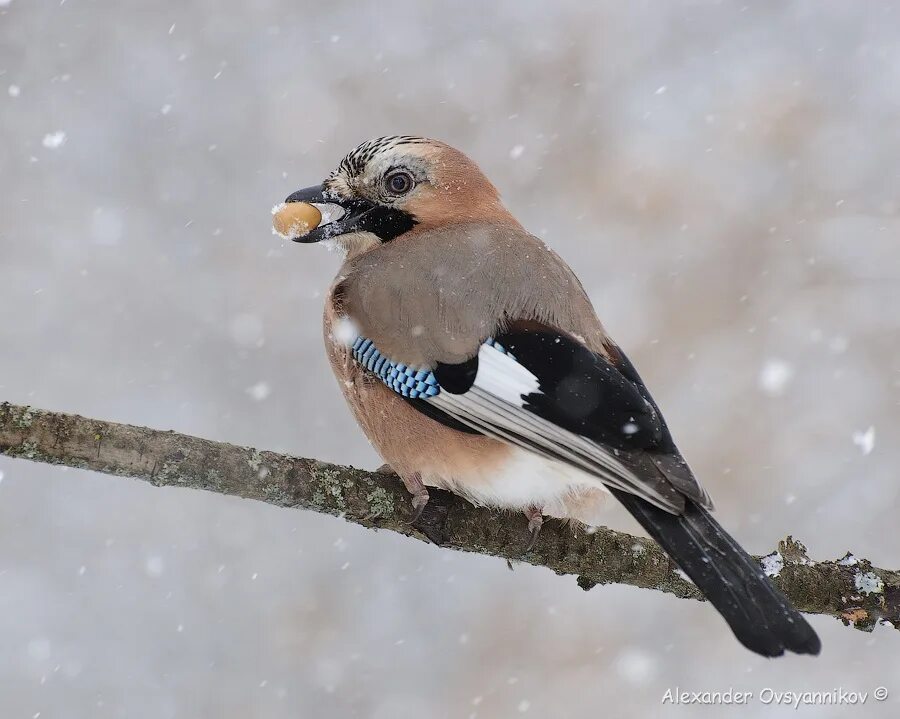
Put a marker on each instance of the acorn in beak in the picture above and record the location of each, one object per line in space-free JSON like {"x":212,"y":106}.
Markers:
{"x":306,"y":216}
{"x":314,"y":215}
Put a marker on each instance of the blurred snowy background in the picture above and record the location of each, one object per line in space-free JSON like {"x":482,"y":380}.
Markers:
{"x":724,"y":178}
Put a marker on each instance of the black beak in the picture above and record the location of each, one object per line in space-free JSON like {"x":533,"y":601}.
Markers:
{"x":307,"y":194}
{"x":341,"y":216}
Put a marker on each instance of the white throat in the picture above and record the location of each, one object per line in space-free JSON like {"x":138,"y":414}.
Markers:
{"x":352,"y":244}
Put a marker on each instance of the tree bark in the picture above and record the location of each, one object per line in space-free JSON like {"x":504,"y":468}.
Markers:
{"x":849,"y":588}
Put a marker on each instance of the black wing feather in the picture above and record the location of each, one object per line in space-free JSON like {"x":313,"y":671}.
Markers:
{"x":584,"y":393}
{"x":605,"y":401}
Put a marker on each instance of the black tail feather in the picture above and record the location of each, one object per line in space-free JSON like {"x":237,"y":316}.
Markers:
{"x":760,"y":616}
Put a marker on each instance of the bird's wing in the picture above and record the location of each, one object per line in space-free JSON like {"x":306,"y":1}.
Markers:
{"x":546,"y":392}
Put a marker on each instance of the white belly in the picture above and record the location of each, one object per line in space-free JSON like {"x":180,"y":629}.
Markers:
{"x":527,"y":480}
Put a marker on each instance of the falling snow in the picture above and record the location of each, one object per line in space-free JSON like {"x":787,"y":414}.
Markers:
{"x":344,"y":331}
{"x":54,"y":140}
{"x":865,"y":440}
{"x":775,"y":376}
{"x":636,"y":666}
{"x":259,"y":391}
{"x":154,"y":566}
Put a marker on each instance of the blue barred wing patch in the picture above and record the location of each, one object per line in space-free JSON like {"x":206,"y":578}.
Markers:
{"x":407,"y":381}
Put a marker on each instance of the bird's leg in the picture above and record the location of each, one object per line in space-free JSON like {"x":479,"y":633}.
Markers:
{"x":416,"y":488}
{"x":535,"y":522}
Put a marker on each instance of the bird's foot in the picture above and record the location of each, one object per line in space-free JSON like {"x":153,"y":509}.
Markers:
{"x":419,"y":494}
{"x":535,"y":522}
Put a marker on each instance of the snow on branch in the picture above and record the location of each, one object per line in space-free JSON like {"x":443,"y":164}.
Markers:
{"x":849,"y":588}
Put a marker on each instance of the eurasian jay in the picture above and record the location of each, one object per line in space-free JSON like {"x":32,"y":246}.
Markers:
{"x":473,"y":360}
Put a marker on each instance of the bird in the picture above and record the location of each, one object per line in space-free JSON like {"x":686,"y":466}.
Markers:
{"x":473,"y":360}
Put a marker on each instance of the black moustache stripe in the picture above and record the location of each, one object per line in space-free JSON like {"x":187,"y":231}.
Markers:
{"x":386,"y":222}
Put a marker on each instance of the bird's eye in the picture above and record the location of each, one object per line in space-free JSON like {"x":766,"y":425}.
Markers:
{"x":399,"y":183}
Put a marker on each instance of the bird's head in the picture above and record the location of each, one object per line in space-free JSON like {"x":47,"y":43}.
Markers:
{"x":387,"y":188}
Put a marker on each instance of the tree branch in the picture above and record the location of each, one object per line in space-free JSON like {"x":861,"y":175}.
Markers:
{"x":850,"y":589}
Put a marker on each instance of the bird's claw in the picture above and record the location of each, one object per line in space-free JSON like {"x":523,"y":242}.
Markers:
{"x":419,"y":502}
{"x":535,"y":522}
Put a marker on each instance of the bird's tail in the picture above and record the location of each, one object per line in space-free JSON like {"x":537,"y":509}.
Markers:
{"x":760,"y":616}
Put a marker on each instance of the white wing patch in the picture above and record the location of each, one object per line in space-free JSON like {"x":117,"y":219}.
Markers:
{"x":495,"y":406}
{"x":503,"y":377}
